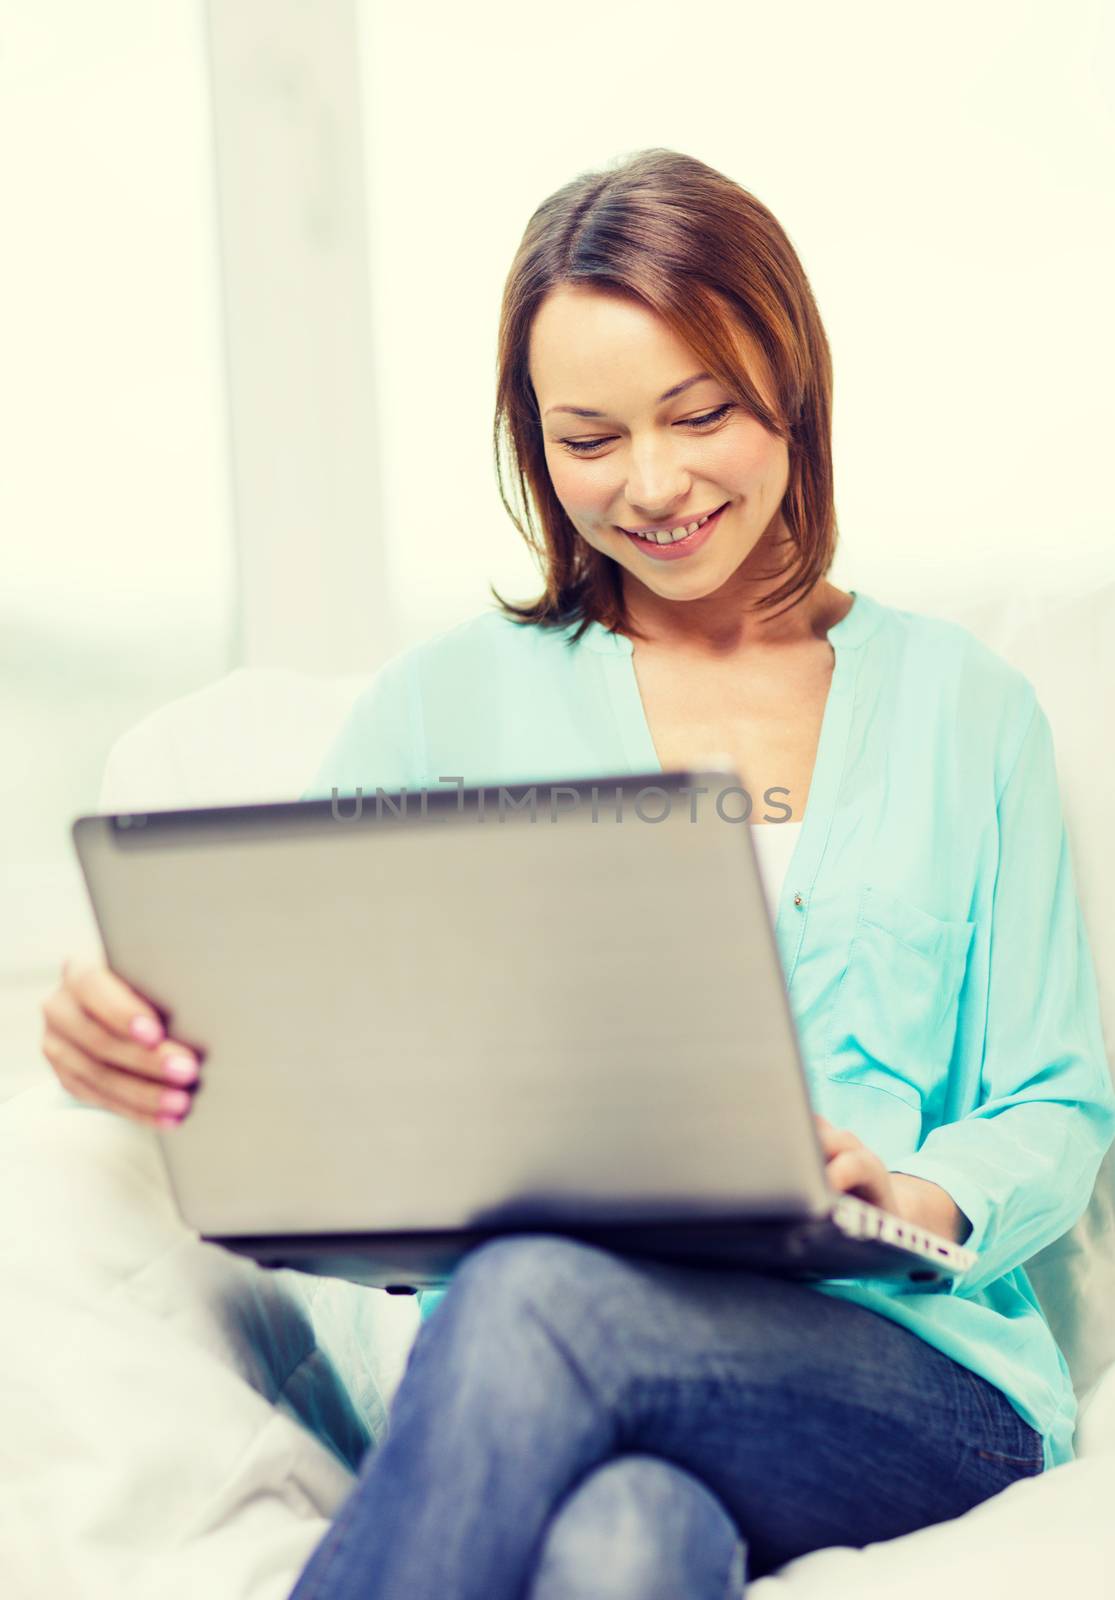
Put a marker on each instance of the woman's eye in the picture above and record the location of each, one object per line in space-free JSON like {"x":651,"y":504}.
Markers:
{"x":582,"y":446}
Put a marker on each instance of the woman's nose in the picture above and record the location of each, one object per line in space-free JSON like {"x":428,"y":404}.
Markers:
{"x":656,"y":500}
{"x":657,"y":483}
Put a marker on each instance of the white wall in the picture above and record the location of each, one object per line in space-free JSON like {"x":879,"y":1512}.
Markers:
{"x":944,"y":174}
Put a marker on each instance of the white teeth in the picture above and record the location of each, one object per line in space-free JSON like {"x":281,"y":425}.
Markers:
{"x":673,"y":535}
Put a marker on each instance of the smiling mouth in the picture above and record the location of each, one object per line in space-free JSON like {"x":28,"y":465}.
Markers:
{"x":676,"y":535}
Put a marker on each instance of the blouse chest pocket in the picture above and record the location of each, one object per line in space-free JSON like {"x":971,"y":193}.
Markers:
{"x":894,"y":1014}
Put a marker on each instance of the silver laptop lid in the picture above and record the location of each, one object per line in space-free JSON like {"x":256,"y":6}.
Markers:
{"x":461,"y":1005}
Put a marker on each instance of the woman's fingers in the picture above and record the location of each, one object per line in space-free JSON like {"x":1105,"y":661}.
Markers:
{"x":92,"y":1081}
{"x":65,"y":1016}
{"x":861,"y":1173}
{"x":851,"y":1167}
{"x":833,"y":1140}
{"x":90,"y":1040}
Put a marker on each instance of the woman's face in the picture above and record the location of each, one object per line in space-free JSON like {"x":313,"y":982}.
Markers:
{"x":648,"y":460}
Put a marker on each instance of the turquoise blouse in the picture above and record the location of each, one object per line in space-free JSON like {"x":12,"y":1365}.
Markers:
{"x":928,"y":925}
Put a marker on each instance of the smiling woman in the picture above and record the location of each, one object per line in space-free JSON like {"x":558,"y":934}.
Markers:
{"x":664,"y":268}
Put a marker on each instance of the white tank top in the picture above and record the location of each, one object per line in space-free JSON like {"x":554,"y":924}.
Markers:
{"x":774,"y":845}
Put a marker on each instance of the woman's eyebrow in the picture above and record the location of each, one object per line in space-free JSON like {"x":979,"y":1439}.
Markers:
{"x":583,"y":411}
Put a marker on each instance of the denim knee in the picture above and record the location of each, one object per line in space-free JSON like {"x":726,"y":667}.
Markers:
{"x":518,"y":1293}
{"x":531,"y":1265}
{"x":557,"y":1280}
{"x":639,"y":1528}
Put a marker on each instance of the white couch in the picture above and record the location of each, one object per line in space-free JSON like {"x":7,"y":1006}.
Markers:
{"x":178,"y":1422}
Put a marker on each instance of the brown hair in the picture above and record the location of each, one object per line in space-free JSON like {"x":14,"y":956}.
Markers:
{"x":676,"y":235}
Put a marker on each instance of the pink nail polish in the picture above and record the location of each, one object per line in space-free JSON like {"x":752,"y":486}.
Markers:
{"x":168,"y":1122}
{"x":180,"y":1069}
{"x":145,"y":1029}
{"x":175,"y":1100}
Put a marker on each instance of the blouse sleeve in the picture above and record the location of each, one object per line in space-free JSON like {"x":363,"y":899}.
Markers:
{"x":380,"y":743}
{"x":1022,"y":1164}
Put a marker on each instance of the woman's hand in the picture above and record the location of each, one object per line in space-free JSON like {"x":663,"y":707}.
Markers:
{"x":107,"y":1046}
{"x":854,"y":1169}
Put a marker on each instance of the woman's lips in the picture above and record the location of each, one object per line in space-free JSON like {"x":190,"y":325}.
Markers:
{"x":684,"y":547}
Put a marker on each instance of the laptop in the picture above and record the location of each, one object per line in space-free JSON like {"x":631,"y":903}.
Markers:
{"x":426,"y":1017}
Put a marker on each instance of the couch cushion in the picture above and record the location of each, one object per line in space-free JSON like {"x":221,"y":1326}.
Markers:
{"x":161,"y":1396}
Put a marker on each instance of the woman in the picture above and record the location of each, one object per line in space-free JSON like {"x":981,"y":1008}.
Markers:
{"x":573,"y":1423}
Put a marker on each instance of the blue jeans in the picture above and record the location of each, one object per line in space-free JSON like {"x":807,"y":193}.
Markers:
{"x":573,"y":1423}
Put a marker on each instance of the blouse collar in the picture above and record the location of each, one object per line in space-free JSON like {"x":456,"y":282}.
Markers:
{"x":852,"y":630}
